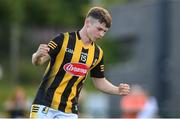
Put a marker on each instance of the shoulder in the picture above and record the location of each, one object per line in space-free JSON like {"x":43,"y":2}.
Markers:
{"x":58,"y":36}
{"x":97,"y":47}
{"x":61,"y":37}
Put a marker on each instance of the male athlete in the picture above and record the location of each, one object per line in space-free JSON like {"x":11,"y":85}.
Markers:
{"x":71,"y":56}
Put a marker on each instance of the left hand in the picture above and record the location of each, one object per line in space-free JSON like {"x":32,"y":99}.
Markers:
{"x":124,"y":89}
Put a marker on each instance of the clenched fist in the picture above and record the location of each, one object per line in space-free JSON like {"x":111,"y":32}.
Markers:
{"x":42,"y":50}
{"x":124,"y":89}
{"x":41,"y":55}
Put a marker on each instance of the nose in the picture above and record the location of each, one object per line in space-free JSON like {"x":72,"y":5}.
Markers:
{"x":102,"y":33}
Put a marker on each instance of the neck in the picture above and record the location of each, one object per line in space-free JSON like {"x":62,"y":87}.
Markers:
{"x":83,"y":34}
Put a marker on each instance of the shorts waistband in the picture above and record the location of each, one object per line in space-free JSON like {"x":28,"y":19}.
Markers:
{"x":36,"y":108}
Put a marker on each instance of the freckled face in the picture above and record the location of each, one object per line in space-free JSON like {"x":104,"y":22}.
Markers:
{"x":96,"y":30}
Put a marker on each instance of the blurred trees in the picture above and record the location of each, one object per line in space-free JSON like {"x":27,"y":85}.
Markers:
{"x":21,"y":13}
{"x":43,"y":12}
{"x":17,"y":15}
{"x":55,"y":12}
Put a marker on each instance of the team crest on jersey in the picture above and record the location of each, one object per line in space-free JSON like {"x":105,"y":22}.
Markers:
{"x":77,"y":69}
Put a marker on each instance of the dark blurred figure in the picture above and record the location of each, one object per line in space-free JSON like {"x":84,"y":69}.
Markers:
{"x":16,"y":106}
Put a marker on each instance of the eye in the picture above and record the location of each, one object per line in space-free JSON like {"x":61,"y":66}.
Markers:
{"x":99,"y":29}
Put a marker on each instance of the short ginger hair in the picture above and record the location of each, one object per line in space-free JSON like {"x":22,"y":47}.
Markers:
{"x":101,"y":14}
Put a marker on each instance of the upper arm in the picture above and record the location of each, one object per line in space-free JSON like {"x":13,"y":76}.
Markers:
{"x":39,"y":60}
{"x":97,"y":80}
{"x":55,"y":45}
{"x":100,"y":83}
{"x":98,"y":70}
{"x":45,"y":59}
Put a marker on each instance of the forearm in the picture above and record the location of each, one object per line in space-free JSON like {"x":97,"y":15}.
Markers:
{"x":39,"y":59}
{"x":105,"y":86}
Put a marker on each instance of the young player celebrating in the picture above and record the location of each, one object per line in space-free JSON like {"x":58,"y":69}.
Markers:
{"x":71,"y":56}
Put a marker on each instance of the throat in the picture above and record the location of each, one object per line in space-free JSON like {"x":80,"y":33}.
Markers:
{"x":85,"y":39}
{"x":86,"y":42}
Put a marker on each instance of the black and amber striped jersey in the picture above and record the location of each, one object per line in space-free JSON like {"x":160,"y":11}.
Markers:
{"x":67,"y":70}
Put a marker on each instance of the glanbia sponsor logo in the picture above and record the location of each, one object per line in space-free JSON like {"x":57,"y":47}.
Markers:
{"x":77,"y":69}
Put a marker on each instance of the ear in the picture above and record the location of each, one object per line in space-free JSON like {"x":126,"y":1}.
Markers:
{"x":87,"y":22}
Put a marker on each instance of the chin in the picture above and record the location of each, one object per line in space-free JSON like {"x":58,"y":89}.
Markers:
{"x":94,"y":40}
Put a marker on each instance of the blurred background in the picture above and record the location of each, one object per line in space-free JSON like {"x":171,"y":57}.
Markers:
{"x":141,"y":48}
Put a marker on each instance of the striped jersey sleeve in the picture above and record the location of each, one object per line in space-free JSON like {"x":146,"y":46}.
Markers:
{"x":55,"y":44}
{"x":98,"y":70}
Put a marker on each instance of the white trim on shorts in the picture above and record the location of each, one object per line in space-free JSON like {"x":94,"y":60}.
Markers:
{"x":41,"y":111}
